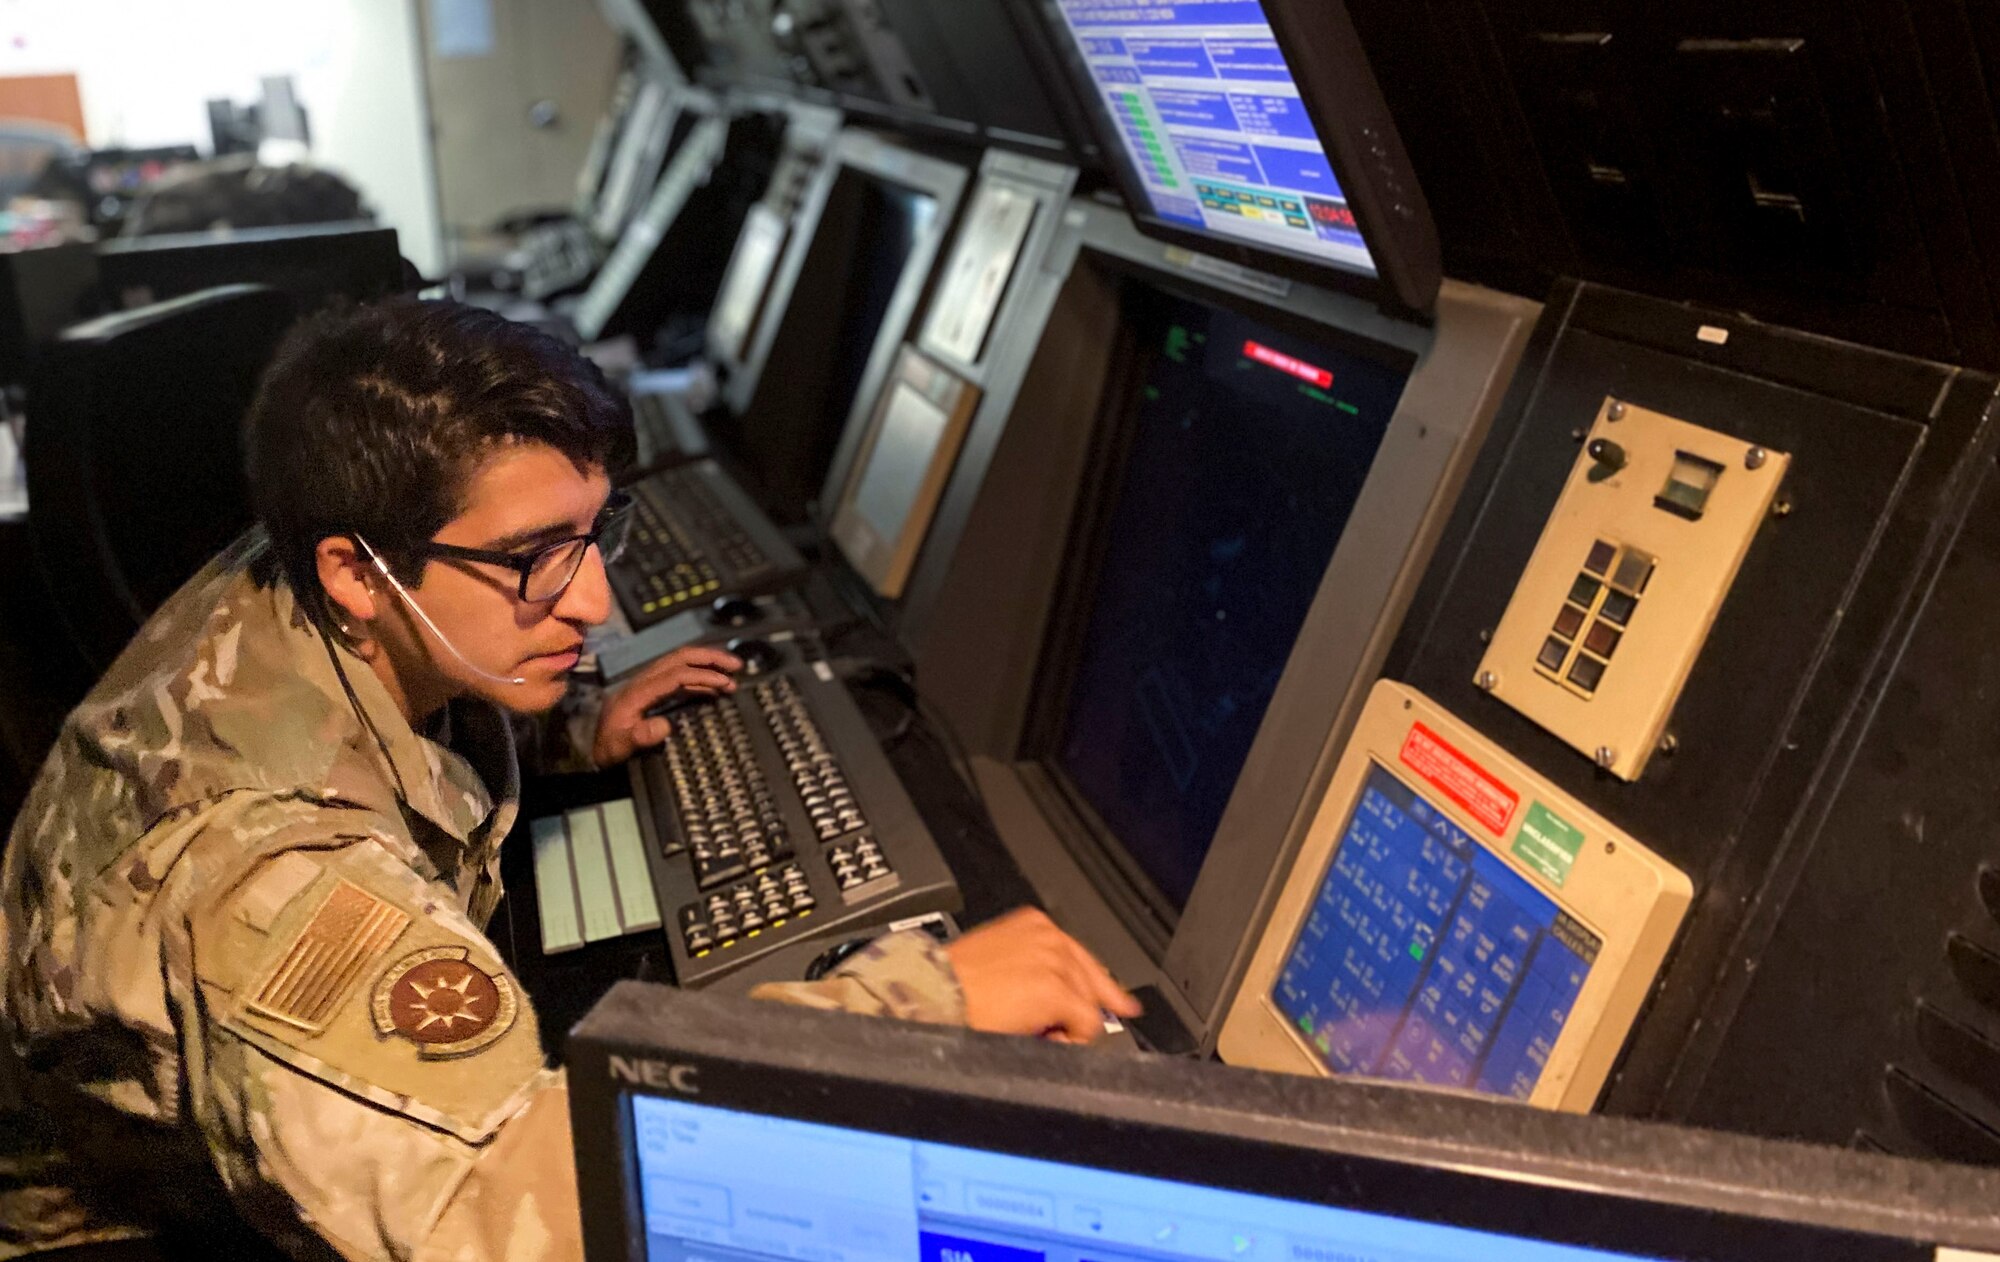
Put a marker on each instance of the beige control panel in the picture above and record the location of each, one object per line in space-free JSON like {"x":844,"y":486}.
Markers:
{"x":1631,"y":570}
{"x":1455,"y":921}
{"x":906,"y":458}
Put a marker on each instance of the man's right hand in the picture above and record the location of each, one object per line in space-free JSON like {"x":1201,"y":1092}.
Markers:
{"x":1022,"y":975}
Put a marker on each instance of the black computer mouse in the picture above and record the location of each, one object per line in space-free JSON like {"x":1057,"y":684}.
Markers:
{"x":734,"y":611}
{"x":758,"y":655}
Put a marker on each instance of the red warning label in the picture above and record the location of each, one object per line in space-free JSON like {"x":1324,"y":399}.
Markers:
{"x":1460,"y":779}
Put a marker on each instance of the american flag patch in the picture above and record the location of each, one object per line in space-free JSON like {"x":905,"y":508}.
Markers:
{"x":348,"y":932}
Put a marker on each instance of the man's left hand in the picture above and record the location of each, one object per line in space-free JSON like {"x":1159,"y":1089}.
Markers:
{"x":624,"y":729}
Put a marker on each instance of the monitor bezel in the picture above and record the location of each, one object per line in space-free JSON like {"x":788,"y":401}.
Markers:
{"x":766,"y":405}
{"x":1147,"y":912}
{"x":1641,"y":1188}
{"x":1360,"y":138}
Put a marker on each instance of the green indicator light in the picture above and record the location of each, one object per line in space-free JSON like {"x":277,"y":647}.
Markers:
{"x":1306,"y":1024}
{"x":1348,"y":408}
{"x":1416,"y":950}
{"x":1152,"y":394}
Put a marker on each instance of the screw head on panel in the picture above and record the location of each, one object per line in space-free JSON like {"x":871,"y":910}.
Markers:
{"x":1616,"y":412}
{"x":1606,"y":757}
{"x":1755,"y":458}
{"x":1488,"y":681}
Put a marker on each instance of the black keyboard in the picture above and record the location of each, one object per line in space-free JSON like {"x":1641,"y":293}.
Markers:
{"x":773,"y":817}
{"x":697,"y":537}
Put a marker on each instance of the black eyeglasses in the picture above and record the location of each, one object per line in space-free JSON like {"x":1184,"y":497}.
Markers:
{"x":546,"y":573}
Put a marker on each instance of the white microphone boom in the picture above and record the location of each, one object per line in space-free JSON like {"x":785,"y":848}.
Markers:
{"x":425,"y":618}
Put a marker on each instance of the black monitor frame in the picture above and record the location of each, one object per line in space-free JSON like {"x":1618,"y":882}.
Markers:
{"x":1631,"y":1187}
{"x":1340,"y":92}
{"x":779,"y":415}
{"x":312,"y":263}
{"x":1148,"y":912}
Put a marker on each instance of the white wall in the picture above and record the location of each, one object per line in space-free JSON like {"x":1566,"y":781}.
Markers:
{"x":148,"y":67}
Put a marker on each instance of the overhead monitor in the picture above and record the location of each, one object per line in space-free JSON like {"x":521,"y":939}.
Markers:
{"x":912,"y":442}
{"x":1240,"y":450}
{"x":1457,"y":921}
{"x":711,"y":1128}
{"x":1254,"y":129}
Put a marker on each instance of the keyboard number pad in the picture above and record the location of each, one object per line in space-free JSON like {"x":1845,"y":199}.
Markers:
{"x":729,"y":819}
{"x":859,"y":866}
{"x":745,"y":910}
{"x":816,"y":774}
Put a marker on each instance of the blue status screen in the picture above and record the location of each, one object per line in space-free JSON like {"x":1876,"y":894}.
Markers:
{"x":1210,"y":119}
{"x":717,"y":1185}
{"x":1425,"y":958}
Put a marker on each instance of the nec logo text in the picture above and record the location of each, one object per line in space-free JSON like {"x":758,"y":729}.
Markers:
{"x":657,"y":1074}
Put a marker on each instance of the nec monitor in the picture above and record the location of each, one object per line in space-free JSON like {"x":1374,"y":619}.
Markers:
{"x":729,"y":1129}
{"x":1232,"y":474}
{"x":1254,"y":130}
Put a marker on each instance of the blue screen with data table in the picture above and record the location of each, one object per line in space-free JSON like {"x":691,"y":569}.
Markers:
{"x":1426,"y":958}
{"x":717,"y":1185}
{"x":1208,"y":113}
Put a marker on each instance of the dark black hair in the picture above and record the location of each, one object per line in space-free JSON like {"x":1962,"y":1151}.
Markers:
{"x":373,"y":420}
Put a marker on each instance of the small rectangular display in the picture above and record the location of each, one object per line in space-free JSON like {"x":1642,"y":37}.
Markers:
{"x":989,"y":245}
{"x":912,"y":427}
{"x":1426,"y":958}
{"x":1212,"y":126}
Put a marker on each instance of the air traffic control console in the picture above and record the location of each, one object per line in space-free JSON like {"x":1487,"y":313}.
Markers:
{"x":1181,"y":547}
{"x":1702,"y":631}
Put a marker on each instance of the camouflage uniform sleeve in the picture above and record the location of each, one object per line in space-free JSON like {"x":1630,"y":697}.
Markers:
{"x":904,"y":975}
{"x":363,"y":1069}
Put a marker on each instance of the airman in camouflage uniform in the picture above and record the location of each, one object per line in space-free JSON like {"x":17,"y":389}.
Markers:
{"x":237,"y":844}
{"x":245,"y":985}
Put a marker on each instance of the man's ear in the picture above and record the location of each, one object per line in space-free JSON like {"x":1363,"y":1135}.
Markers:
{"x":349,"y":579}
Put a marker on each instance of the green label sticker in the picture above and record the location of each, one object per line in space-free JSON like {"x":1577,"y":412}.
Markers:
{"x":1548,"y":844}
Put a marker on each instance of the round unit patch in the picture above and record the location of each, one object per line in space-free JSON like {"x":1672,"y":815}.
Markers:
{"x":443,"y":1003}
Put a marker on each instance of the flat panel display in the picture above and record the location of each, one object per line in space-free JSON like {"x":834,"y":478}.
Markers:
{"x":710,"y":1188}
{"x":1425,"y":958}
{"x":975,"y":278}
{"x":1213,"y":131}
{"x":636,"y":159}
{"x":1247,"y":449}
{"x":741,"y":302}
